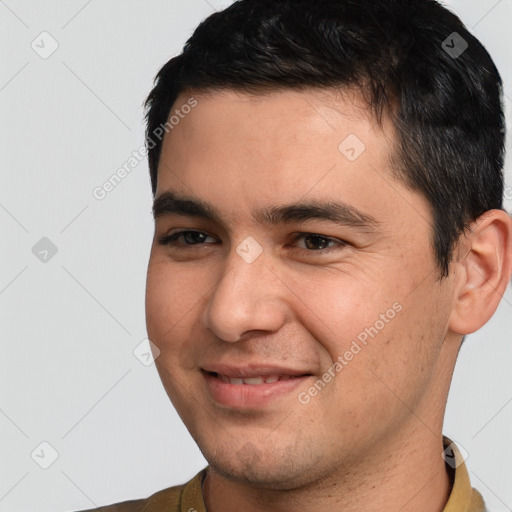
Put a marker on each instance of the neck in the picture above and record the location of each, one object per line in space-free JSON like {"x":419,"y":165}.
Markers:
{"x":403,"y":476}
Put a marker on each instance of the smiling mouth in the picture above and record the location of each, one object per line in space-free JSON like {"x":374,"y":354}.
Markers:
{"x":257,"y":390}
{"x":255,"y":381}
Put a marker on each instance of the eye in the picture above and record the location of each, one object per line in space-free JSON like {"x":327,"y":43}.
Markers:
{"x":190,"y":238}
{"x":315,"y":242}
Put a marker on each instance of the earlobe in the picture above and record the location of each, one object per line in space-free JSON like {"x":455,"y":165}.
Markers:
{"x":483,"y":271}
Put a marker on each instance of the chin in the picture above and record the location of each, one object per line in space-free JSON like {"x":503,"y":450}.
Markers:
{"x":263,"y":467}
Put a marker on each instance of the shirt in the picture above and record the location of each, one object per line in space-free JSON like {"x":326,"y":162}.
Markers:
{"x":188,"y":497}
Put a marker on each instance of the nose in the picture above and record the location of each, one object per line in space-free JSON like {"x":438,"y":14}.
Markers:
{"x":247,"y":297}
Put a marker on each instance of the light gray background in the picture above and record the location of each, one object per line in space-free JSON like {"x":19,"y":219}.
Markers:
{"x":68,"y":327}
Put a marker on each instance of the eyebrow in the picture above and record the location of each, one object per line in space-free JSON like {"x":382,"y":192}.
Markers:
{"x":170,"y":203}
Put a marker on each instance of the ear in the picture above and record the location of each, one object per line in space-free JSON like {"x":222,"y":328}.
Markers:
{"x":482,"y":269}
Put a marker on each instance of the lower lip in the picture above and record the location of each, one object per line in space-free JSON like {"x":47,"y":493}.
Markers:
{"x":245,"y":396}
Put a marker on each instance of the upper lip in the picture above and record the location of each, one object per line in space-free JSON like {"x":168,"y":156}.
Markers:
{"x":252,"y":370}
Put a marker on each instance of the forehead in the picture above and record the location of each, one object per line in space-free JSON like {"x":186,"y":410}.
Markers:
{"x":328,"y":106}
{"x":244,"y":152}
{"x":278,"y":131}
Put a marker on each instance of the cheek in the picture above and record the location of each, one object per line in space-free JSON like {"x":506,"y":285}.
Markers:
{"x":172,"y":298}
{"x":338,"y":309}
{"x":405,"y":354}
{"x":171,"y":310}
{"x":380,"y":335}
{"x":171,"y":290}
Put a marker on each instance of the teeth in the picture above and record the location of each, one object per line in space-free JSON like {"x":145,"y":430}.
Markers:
{"x":254,"y":381}
{"x":223,"y":378}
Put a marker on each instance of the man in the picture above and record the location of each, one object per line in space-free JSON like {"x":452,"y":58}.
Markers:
{"x":328,"y":227}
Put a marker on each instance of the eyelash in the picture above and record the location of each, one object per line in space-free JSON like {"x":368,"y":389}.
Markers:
{"x":169,"y":239}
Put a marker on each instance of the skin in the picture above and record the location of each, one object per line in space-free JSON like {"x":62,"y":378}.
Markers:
{"x":371,"y":439}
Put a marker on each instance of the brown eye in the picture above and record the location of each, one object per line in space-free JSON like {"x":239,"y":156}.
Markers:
{"x":314,"y":242}
{"x":190,"y":238}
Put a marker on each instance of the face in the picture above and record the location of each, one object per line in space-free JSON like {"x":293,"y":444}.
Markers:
{"x":285,"y":251}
